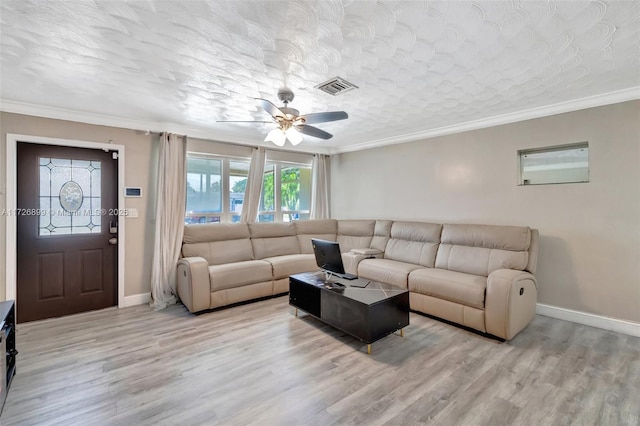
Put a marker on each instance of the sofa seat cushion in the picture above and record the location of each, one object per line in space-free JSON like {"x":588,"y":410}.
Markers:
{"x":458,"y":287}
{"x":237,"y":274}
{"x":290,"y":264}
{"x":386,"y":271}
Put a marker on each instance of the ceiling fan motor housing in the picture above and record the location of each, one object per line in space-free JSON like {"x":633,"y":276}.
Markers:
{"x":290,"y":113}
{"x":285,"y":95}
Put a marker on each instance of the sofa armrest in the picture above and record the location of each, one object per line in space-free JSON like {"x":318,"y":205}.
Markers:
{"x":353,"y":258}
{"x":366,"y":251}
{"x":510,"y":302}
{"x":193,"y":283}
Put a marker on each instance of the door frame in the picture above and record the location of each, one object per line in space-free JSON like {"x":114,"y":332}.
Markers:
{"x":11,"y":290}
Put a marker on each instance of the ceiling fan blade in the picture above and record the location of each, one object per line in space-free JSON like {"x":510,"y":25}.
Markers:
{"x":269,"y":107}
{"x":232,"y":121}
{"x":323,"y":117}
{"x":313,"y":131}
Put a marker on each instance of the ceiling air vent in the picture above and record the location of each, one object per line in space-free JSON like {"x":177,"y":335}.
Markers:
{"x":336,"y":86}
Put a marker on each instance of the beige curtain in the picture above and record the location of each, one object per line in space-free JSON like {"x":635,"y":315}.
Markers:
{"x":253,"y":190}
{"x":320,"y":188}
{"x":170,"y":211}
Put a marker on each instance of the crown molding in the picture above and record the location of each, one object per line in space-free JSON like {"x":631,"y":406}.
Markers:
{"x":23,"y":108}
{"x":618,"y":96}
{"x":624,"y":95}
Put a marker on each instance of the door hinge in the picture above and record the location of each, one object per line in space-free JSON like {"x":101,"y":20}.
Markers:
{"x":114,"y":155}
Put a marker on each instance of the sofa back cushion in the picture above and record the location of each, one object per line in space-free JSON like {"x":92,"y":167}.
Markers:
{"x":218,"y":243}
{"x":355,"y":234}
{"x":482,"y":249}
{"x":273,"y":239}
{"x":324,"y":229}
{"x":381,"y":234}
{"x":414,"y":242}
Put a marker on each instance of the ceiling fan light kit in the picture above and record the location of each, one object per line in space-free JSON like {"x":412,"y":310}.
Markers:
{"x":294,"y":136}
{"x":291,"y":125}
{"x":276,"y":136}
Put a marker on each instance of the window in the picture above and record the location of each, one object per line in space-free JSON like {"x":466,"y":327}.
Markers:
{"x":238,"y":175}
{"x":70,"y":197}
{"x":286,"y":192}
{"x":215,"y":188}
{"x":559,"y":164}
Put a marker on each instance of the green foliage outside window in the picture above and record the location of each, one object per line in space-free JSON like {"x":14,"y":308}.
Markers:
{"x":290,"y":189}
{"x":290,"y":183}
{"x":239,"y":186}
{"x":267,"y":192}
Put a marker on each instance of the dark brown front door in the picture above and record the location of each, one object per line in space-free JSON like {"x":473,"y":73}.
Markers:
{"x":67,"y":223}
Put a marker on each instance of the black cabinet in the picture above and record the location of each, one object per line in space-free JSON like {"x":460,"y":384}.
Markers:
{"x":305,"y":297}
{"x":8,"y":350}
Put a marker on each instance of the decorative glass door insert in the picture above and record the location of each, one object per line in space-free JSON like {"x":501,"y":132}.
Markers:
{"x":70,"y":198}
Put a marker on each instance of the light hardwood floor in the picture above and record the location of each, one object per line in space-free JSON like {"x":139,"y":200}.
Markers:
{"x":259,"y":364}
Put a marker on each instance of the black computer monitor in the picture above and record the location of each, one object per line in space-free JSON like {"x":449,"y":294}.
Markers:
{"x":328,"y":256}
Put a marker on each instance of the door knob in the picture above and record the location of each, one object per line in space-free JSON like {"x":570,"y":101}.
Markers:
{"x":113,"y":241}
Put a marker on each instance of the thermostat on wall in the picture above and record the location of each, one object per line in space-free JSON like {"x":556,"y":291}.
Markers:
{"x":133,"y":191}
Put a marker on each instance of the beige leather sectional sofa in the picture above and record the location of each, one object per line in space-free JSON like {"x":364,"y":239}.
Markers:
{"x":479,"y":276}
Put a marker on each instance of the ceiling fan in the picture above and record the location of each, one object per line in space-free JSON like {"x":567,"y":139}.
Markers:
{"x":290,"y":123}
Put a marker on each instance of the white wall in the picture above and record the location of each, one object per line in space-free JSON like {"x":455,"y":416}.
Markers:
{"x":589,"y":232}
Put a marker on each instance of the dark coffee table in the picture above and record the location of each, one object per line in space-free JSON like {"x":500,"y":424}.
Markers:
{"x":368,"y":313}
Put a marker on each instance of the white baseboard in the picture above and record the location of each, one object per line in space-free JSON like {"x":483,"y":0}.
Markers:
{"x":592,"y":320}
{"x":136,"y":299}
{"x":620,"y":326}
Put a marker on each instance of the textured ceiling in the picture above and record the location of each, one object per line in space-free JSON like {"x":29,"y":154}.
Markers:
{"x":419,"y":66}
